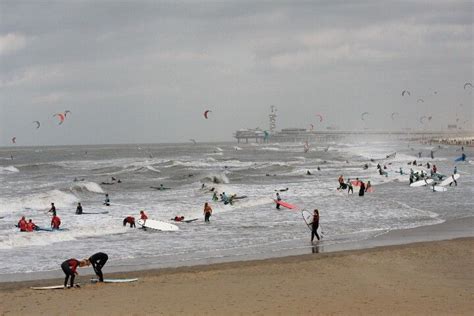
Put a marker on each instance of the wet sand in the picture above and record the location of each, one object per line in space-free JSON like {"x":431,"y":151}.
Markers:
{"x":418,"y":279}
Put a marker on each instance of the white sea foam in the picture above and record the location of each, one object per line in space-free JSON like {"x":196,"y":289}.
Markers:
{"x":9,"y":169}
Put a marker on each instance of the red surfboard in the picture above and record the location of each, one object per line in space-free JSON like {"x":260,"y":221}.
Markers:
{"x":285,"y":204}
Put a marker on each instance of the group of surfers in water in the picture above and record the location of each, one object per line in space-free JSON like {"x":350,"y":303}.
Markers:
{"x":30,"y":226}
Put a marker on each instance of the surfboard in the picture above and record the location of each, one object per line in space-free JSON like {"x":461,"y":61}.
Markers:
{"x":115,"y":280}
{"x":422,"y":183}
{"x":356,"y":183}
{"x":285,"y":204}
{"x":449,"y":180}
{"x":52,"y":287}
{"x":185,"y":220}
{"x":439,"y":189}
{"x":49,"y":229}
{"x":308,"y":219}
{"x":462,"y":158}
{"x":94,"y":213}
{"x":158,"y":225}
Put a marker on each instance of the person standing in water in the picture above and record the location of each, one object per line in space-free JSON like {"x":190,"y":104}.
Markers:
{"x":79,"y":209}
{"x":350,"y":189}
{"x":315,"y":226}
{"x":362,"y":188}
{"x":207,"y":212}
{"x":455,"y":170}
{"x":278,"y":199}
{"x":70,"y":269}
{"x":52,"y":209}
{"x":98,"y":261}
{"x":107,"y":200}
{"x":55,"y":222}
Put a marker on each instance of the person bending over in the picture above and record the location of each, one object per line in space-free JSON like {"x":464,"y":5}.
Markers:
{"x":98,"y":261}
{"x":70,"y":269}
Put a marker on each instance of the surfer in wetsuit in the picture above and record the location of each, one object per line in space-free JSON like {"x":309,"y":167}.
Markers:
{"x":30,"y":226}
{"x":107,"y":200}
{"x":98,"y":261}
{"x":368,"y":186}
{"x":214,"y":196}
{"x":129,"y":220}
{"x":362,"y":188}
{"x":52,"y":209}
{"x":315,"y":225}
{"x":69,"y":268}
{"x":278,"y":198}
{"x":342,"y":185}
{"x":454,"y":181}
{"x":207,"y":212}
{"x":79,"y":209}
{"x":55,"y":222}
{"x":350,"y":189}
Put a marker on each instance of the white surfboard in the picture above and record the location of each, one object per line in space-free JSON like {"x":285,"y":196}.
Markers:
{"x":52,"y":287}
{"x":308,"y":219}
{"x":439,"y":189}
{"x":449,"y":180}
{"x":115,"y":280}
{"x":422,"y":183}
{"x":158,"y":225}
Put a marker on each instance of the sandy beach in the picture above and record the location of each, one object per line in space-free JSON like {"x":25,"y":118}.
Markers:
{"x":418,"y":279}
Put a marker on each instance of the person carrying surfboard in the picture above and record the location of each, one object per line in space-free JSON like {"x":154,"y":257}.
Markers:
{"x":278,"y":198}
{"x":98,"y":261}
{"x":315,"y":226}
{"x":69,"y":268}
{"x":207,"y":212}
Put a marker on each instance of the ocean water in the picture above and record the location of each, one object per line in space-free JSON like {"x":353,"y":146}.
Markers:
{"x":252,"y":226}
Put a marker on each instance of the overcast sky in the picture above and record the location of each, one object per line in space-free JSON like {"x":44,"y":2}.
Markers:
{"x":145,"y":71}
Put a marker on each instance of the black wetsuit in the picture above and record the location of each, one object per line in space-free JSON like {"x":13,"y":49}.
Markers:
{"x":362,"y":189}
{"x":53,"y":210}
{"x":69,"y":267}
{"x":98,"y":260}
{"x":79,"y":210}
{"x":314,"y":229}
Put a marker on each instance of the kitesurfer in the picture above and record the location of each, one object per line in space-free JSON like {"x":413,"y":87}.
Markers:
{"x":55,"y":222}
{"x":278,"y":199}
{"x":315,"y":225}
{"x":52,"y":209}
{"x":98,"y":261}
{"x":30,"y":226}
{"x":129,"y":220}
{"x":22,"y":224}
{"x":107,"y":200}
{"x":79,"y":209}
{"x":207,"y":212}
{"x":69,"y":267}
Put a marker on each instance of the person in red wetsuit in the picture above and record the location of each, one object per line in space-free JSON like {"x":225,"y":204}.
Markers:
{"x":30,"y":226}
{"x":69,"y":268}
{"x":143,"y":216}
{"x":22,"y":224}
{"x":55,"y":222}
{"x":129,"y":220}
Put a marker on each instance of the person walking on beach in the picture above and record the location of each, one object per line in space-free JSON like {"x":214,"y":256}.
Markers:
{"x":207,"y":212}
{"x":278,"y":199}
{"x":52,"y":209}
{"x":79,"y":209}
{"x":98,"y":261}
{"x":70,"y":269}
{"x":315,"y":225}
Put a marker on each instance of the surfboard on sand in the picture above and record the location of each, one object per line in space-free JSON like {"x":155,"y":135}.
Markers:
{"x":115,"y":280}
{"x":285,"y":204}
{"x":308,"y":219}
{"x":52,"y":287}
{"x":449,"y":180}
{"x":422,"y":183}
{"x":158,"y":225}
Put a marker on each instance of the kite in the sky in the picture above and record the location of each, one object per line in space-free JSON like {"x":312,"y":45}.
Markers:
{"x":363,"y":115}
{"x":14,"y":140}
{"x":405,"y":92}
{"x":38,"y":124}
{"x":320,"y":117}
{"x":66,"y":112}
{"x":206,"y":113}
{"x":420,"y":100}
{"x":394,"y":114}
{"x":467,"y":84}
